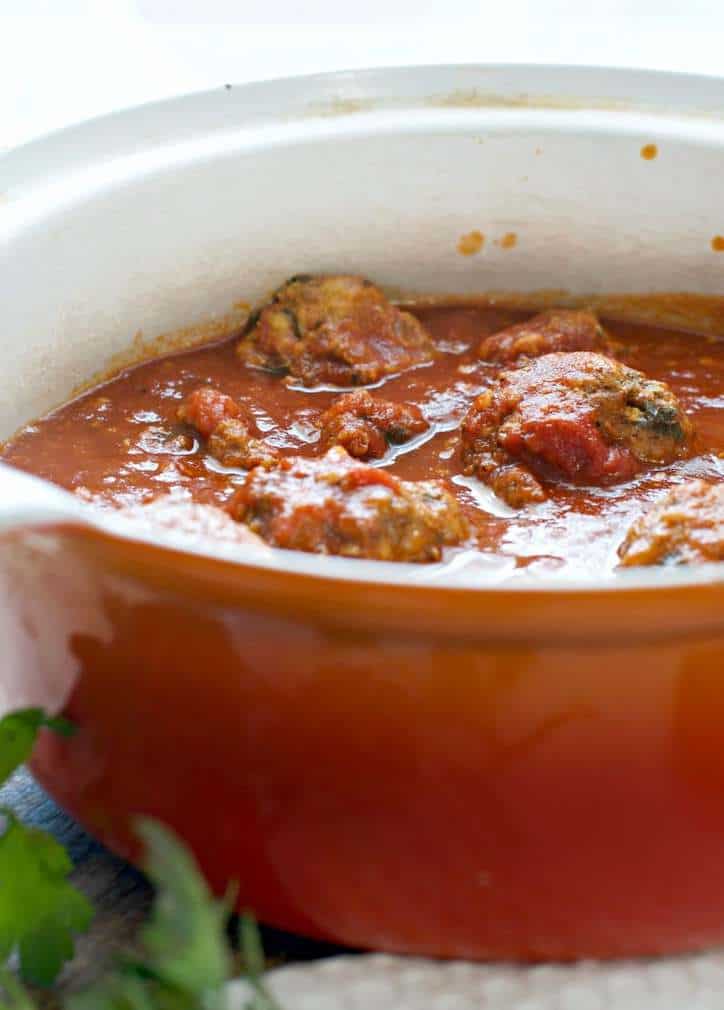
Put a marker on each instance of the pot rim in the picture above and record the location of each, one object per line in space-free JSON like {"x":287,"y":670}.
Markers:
{"x":465,"y":89}
{"x":341,"y":93}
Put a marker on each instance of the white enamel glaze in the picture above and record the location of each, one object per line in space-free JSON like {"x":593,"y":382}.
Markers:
{"x":164,"y":216}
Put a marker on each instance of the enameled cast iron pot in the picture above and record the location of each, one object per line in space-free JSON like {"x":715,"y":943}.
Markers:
{"x":406,"y":758}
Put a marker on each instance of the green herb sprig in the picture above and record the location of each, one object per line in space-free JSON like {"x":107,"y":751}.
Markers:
{"x":184,"y":960}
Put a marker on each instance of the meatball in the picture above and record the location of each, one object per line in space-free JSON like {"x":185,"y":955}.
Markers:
{"x":578,"y":416}
{"x":365,"y":425}
{"x":334,"y":329}
{"x":232,"y":445}
{"x":205,"y":408}
{"x":337,"y":505}
{"x":557,"y":330}
{"x":685,"y":526}
{"x":216,"y":416}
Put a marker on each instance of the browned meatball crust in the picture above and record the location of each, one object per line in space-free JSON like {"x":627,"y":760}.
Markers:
{"x":232,"y":445}
{"x":366,"y":425}
{"x":576,"y":416}
{"x":216,"y":416}
{"x":683,"y":527}
{"x":334,"y":329}
{"x":556,"y":330}
{"x":337,"y":505}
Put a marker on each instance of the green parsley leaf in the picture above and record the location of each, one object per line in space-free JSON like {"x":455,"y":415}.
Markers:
{"x":18,"y":731}
{"x":124,"y":990}
{"x":253,"y":956}
{"x":39,"y":909}
{"x":185,"y":959}
{"x":12,"y":994}
{"x":185,"y":939}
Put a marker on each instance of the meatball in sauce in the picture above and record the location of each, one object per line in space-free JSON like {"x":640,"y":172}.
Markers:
{"x":494,"y":440}
{"x":334,"y":329}
{"x":557,"y":330}
{"x":230,"y":441}
{"x":684,"y":526}
{"x":575,"y":416}
{"x":337,"y":505}
{"x":367,"y":425}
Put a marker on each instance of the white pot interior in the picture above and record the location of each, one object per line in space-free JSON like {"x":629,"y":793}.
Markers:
{"x":166,"y":216}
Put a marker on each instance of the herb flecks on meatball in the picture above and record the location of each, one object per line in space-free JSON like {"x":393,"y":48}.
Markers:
{"x":556,"y":330}
{"x":575,"y":416}
{"x":216,"y":416}
{"x":367,"y":425}
{"x":339,"y":330}
{"x":337,"y":505}
{"x":684,"y":527}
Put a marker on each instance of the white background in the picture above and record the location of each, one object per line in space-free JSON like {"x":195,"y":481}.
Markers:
{"x":66,"y":60}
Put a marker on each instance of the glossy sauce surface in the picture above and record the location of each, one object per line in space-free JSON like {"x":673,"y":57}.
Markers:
{"x":121,"y":444}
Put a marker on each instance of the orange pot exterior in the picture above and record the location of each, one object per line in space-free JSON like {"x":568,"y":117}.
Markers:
{"x":489,"y":775}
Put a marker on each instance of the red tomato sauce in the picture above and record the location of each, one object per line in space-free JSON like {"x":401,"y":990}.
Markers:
{"x":121,"y":443}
